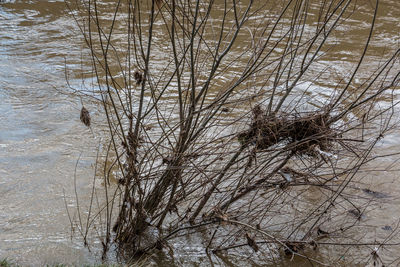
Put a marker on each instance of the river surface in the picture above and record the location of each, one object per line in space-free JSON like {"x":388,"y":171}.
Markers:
{"x":41,"y":137}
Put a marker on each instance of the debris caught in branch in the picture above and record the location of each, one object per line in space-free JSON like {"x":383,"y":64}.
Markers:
{"x":305,"y":131}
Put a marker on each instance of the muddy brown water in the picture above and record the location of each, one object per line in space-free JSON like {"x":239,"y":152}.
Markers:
{"x":41,"y":136}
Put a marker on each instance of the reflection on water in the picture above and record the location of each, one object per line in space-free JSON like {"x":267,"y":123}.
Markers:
{"x":41,"y":137}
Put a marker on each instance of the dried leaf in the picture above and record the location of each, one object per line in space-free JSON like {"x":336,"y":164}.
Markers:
{"x":138,"y":77}
{"x":321,"y":232}
{"x":85,"y":116}
{"x":252,"y":243}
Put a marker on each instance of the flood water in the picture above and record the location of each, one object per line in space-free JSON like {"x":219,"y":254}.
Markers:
{"x":41,"y":137}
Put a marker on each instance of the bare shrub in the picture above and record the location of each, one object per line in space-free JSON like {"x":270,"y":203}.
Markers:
{"x":211,"y":129}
